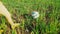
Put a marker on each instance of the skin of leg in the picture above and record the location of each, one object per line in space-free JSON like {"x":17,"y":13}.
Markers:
{"x":4,"y":12}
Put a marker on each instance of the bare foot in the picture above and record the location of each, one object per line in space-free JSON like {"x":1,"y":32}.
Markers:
{"x":15,"y":25}
{"x":1,"y":31}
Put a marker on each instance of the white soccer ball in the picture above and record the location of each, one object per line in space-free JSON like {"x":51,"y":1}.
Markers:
{"x":35,"y":14}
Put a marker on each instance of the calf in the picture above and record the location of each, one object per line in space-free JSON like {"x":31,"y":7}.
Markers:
{"x":5,"y":12}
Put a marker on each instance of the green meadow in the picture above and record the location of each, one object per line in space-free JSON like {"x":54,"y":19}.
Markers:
{"x":48,"y":21}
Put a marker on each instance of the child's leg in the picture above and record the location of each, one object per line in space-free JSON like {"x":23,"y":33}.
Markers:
{"x":5,"y":13}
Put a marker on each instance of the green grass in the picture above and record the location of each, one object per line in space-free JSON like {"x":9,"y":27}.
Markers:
{"x":47,"y":23}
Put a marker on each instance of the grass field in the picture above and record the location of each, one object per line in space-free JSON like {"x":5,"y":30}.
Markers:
{"x":47,"y":23}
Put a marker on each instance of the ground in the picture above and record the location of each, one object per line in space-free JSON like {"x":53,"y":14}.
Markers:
{"x":47,"y":23}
